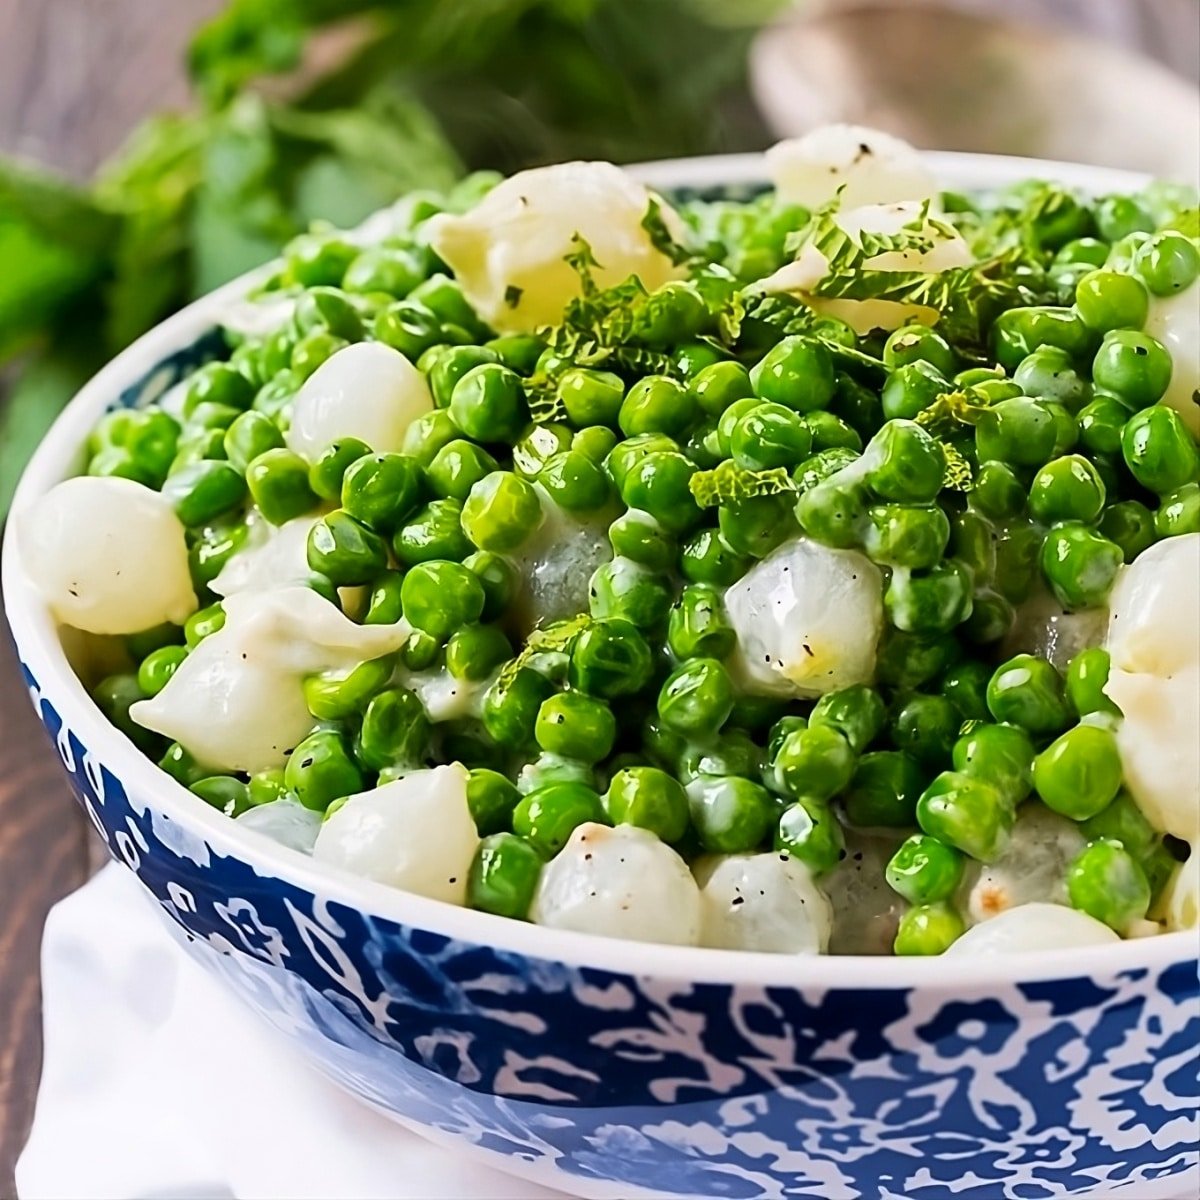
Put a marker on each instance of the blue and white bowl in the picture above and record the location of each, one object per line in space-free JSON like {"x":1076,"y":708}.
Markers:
{"x":611,"y":1069}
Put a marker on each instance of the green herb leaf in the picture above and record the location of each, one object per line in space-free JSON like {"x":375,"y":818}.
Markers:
{"x":555,"y":638}
{"x":729,"y":483}
{"x":660,"y":236}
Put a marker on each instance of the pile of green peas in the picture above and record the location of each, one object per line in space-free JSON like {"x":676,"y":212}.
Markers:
{"x":629,"y":712}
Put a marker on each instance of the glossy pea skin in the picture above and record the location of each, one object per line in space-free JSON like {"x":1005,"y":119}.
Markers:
{"x":491,"y":798}
{"x":504,"y":876}
{"x":627,"y":590}
{"x":155,"y":670}
{"x":1168,"y":263}
{"x":591,"y":397}
{"x":965,"y":686}
{"x":547,"y":816}
{"x":337,"y":695}
{"x":610,"y":658}
{"x":475,"y":651}
{"x":926,"y":727}
{"x":1106,"y":882}
{"x":816,"y":762}
{"x":636,"y":535}
{"x":576,"y":482}
{"x":1000,"y":754}
{"x":718,"y":385}
{"x":696,"y":698}
{"x":1080,"y":565}
{"x":1109,"y":300}
{"x":225,"y":793}
{"x":1119,"y":216}
{"x":1179,"y":512}
{"x":796,"y":372}
{"x":440,"y":597}
{"x":575,"y":725}
{"x":650,"y":799}
{"x":1133,"y":366}
{"x":656,"y":404}
{"x":1131,"y":525}
{"x":966,"y":812}
{"x":433,"y":531}
{"x":928,"y":929}
{"x":810,"y":832}
{"x":321,"y":769}
{"x":1158,"y":449}
{"x":1017,"y":332}
{"x":1027,"y":691}
{"x":382,"y":490}
{"x":884,"y":790}
{"x":856,"y":712}
{"x":1067,"y":489}
{"x":1020,"y":432}
{"x":998,"y":492}
{"x":203,"y":491}
{"x":924,"y":870}
{"x":451,"y":364}
{"x":730,"y":815}
{"x":659,"y":485}
{"x":705,"y":558}
{"x":1087,"y":676}
{"x":911,"y":389}
{"x":501,"y":511}
{"x":770,"y":435}
{"x":908,"y":660}
{"x":345,"y":551}
{"x":427,"y":434}
{"x":697,"y":626}
{"x":249,"y":436}
{"x":908,"y":465}
{"x":278,"y":483}
{"x":488,"y":403}
{"x":1079,"y":773}
{"x":510,"y":707}
{"x":919,"y":343}
{"x":834,"y":513}
{"x":1100,"y":424}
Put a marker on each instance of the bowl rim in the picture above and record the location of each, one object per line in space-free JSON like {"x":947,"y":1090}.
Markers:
{"x":35,"y":633}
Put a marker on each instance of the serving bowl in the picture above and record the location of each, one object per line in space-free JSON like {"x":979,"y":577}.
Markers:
{"x":608,"y":1068}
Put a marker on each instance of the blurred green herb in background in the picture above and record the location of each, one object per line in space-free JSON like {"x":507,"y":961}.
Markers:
{"x":329,"y":109}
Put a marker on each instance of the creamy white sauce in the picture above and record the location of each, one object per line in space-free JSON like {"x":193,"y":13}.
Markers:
{"x":508,"y":253}
{"x":107,"y":555}
{"x":236,"y":703}
{"x":272,"y":557}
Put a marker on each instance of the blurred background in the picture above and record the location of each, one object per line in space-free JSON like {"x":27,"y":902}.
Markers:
{"x":154,"y":148}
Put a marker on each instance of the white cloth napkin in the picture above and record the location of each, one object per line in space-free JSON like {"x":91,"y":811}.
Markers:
{"x":158,"y":1084}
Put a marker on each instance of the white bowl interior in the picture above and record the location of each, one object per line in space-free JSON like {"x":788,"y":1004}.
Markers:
{"x":59,"y":456}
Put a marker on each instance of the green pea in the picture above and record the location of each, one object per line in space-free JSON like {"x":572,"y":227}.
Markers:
{"x":1067,"y":489}
{"x":1119,"y":216}
{"x":858,"y":406}
{"x":427,"y":434}
{"x":1028,"y":691}
{"x":219,"y":384}
{"x":114,"y":695}
{"x":326,"y":474}
{"x":856,"y":712}
{"x":434,"y":531}
{"x":705,"y":558}
{"x":278,"y":483}
{"x":1106,"y":882}
{"x":627,"y":454}
{"x":316,"y":259}
{"x":997,"y":492}
{"x":919,"y":343}
{"x":610,"y":658}
{"x":912,"y":388}
{"x":797,"y":372}
{"x":696,"y":698}
{"x":451,"y":365}
{"x":491,"y":797}
{"x":501,"y":512}
{"x":537,"y":445}
{"x":830,"y":432}
{"x":475,"y":651}
{"x":966,"y":812}
{"x":517,"y":351}
{"x":150,"y":442}
{"x":265,"y":787}
{"x":1000,"y":754}
{"x":907,"y":463}
{"x":440,"y":597}
{"x":810,"y":832}
{"x":381,"y":490}
{"x":204,"y":491}
{"x":1018,"y":552}
{"x":1088,"y":250}
{"x":926,"y":728}
{"x":965,"y":686}
{"x":770,"y":435}
{"x":815,"y":763}
{"x":504,"y":876}
{"x":596,"y":442}
{"x":1158,"y":449}
{"x":659,"y":485}
{"x":548,"y":815}
{"x":1017,"y":332}
{"x":203,"y":623}
{"x":697,"y":626}
{"x":275,"y":397}
{"x":1079,"y":773}
{"x":1100,"y":425}
{"x":650,"y":799}
{"x":576,"y":482}
{"x":321,"y":769}
{"x":1168,"y":263}
{"x":626,"y":589}
{"x":591,"y":397}
{"x":834,"y":513}
{"x":177,"y":763}
{"x":1109,"y":300}
{"x":638,"y":536}
{"x":1134,"y":366}
{"x":249,"y":436}
{"x":444,"y":298}
{"x":378,"y":269}
{"x":1050,"y":374}
{"x":547,"y":769}
{"x":1124,"y":822}
{"x":883,"y":791}
{"x":334,"y":695}
{"x":756,"y":526}
{"x":1080,"y":565}
{"x":224,"y":793}
{"x":327,"y":310}
{"x":913,"y":536}
{"x":499,"y":579}
{"x":1179,"y":512}
{"x":730,"y":815}
{"x":315,"y":349}
{"x":907,"y":660}
{"x":488,"y":403}
{"x":928,"y":929}
{"x":718,"y":385}
{"x":407,"y":326}
{"x":394,"y":731}
{"x":510,"y":707}
{"x":1131,"y":525}
{"x":1020,"y":431}
{"x":924,"y":870}
{"x":929,"y":601}
{"x":673,"y":313}
{"x":384,"y":605}
{"x":575,"y":725}
{"x":656,"y":404}
{"x":1087,"y":676}
{"x":345,"y":551}
{"x":734,"y":752}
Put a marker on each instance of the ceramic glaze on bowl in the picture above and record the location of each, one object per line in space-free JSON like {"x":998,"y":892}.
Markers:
{"x":612,"y":1069}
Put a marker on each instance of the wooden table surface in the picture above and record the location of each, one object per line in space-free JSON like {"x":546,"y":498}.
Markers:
{"x":61,"y":102}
